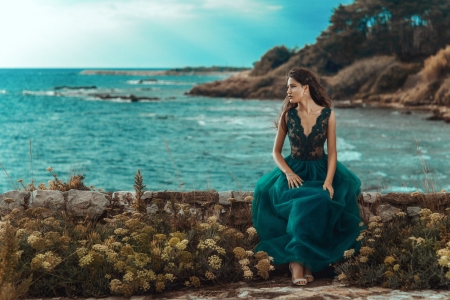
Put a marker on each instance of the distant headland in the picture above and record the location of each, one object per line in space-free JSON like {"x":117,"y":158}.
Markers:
{"x":176,"y":71}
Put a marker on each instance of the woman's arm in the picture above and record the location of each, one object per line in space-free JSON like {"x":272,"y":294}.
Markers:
{"x":293,"y":179}
{"x":332,"y":154}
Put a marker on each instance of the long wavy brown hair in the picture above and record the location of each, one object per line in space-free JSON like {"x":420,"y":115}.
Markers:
{"x":317,"y":91}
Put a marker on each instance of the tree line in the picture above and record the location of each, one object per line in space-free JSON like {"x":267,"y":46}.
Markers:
{"x":412,"y":30}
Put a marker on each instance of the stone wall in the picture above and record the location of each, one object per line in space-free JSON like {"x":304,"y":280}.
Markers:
{"x":234,"y":207}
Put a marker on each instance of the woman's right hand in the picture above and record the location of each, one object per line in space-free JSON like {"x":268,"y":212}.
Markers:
{"x":294,"y":180}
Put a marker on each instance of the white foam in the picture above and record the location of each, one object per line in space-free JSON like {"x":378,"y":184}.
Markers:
{"x":349,"y":156}
{"x":40,"y":93}
{"x":380,"y":174}
{"x":202,"y":123}
{"x":342,"y":144}
{"x":401,"y":189}
{"x":2,"y":91}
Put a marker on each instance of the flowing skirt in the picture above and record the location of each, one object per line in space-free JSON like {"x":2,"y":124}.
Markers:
{"x":303,"y":224}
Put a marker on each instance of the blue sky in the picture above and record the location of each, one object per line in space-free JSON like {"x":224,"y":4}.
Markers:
{"x":154,"y":33}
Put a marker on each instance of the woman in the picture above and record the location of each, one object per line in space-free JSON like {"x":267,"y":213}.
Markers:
{"x":305,"y":211}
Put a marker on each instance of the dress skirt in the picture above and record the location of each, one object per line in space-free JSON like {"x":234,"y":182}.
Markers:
{"x":303,"y":224}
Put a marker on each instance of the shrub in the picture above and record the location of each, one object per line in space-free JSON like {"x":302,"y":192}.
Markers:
{"x":401,"y":254}
{"x":272,"y":59}
{"x":126,"y":254}
{"x":350,"y":79}
{"x":436,"y":67}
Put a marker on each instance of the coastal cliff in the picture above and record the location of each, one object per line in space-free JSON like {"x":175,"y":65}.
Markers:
{"x":370,"y":55}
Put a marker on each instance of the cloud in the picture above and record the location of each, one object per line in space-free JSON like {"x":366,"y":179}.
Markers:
{"x":145,"y":33}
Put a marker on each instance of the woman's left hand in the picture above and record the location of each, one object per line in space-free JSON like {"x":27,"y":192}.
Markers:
{"x":327,"y":186}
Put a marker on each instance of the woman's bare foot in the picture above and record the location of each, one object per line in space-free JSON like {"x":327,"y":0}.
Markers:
{"x":308,"y":275}
{"x":297,"y":274}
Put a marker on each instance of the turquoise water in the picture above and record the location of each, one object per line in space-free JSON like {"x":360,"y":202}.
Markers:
{"x":214,"y":142}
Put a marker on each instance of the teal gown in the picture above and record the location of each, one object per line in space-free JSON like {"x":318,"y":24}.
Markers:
{"x":303,"y":224}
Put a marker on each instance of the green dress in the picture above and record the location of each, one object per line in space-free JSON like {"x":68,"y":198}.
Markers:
{"x":303,"y":224}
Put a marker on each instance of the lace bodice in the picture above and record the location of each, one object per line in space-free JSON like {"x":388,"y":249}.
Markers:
{"x":309,"y":147}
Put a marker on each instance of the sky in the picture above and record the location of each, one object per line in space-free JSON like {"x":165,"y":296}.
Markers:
{"x":154,"y":33}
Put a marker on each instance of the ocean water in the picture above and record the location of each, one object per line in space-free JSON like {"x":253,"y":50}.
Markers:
{"x":185,"y":142}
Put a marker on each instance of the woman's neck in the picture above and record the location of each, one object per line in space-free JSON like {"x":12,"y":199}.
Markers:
{"x":308,"y":106}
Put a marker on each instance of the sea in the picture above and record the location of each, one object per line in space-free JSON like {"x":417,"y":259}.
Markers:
{"x":90,"y":125}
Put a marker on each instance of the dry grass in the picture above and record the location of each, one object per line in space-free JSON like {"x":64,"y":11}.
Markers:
{"x":350,"y":79}
{"x":442,"y":96}
{"x":437,"y":66}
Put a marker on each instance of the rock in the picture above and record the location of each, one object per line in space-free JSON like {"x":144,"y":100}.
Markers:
{"x":51,"y":200}
{"x":243,"y":196}
{"x":18,"y":200}
{"x":386,"y":212}
{"x":86,"y":203}
{"x":371,"y":197}
{"x":413,"y":211}
{"x":224,"y":196}
{"x":365,"y":213}
{"x":124,"y":198}
{"x":194,"y":197}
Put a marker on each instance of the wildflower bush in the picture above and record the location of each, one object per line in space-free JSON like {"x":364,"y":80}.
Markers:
{"x":405,"y":253}
{"x":123,"y":254}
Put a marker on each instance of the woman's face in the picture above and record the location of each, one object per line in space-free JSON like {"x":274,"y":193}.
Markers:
{"x":295,"y":90}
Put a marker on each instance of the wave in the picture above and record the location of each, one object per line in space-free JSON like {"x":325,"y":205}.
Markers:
{"x":349,"y":156}
{"x":3,"y":92}
{"x":40,"y":93}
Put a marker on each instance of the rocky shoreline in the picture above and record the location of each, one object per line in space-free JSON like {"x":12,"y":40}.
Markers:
{"x":380,"y":81}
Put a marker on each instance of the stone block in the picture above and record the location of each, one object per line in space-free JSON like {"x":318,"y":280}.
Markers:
{"x":51,"y":200}
{"x":18,"y":200}
{"x":413,"y":211}
{"x":386,"y":212}
{"x":370,"y":197}
{"x":242,"y":196}
{"x":86,"y":203}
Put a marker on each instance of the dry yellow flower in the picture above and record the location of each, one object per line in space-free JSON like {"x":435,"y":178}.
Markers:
{"x":244,"y":262}
{"x":239,"y":252}
{"x":363,"y":259}
{"x":215,"y":262}
{"x":375,"y":219}
{"x":121,"y":231}
{"x":251,"y":231}
{"x":248,"y":274}
{"x":389,"y":274}
{"x":209,"y":275}
{"x":389,"y":260}
{"x":396,"y":267}
{"x":261,"y":255}
{"x":366,"y":251}
{"x":195,"y":281}
{"x":115,"y":286}
{"x":174,"y":241}
{"x":169,"y":277}
{"x":248,"y":198}
{"x":160,"y":236}
{"x":349,"y":253}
